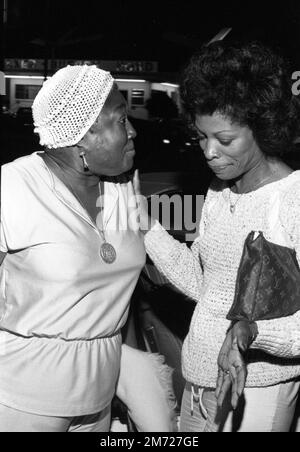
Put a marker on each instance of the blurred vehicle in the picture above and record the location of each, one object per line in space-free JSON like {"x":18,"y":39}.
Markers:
{"x":166,"y":145}
{"x":17,"y":137}
{"x":5,"y":110}
{"x":24,"y":118}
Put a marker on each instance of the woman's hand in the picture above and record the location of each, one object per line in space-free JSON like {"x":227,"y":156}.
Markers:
{"x":245,"y":332}
{"x":146,"y":222}
{"x":232,"y":372}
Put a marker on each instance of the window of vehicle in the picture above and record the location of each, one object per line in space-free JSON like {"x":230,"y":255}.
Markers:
{"x":137,"y":97}
{"x":27,"y":91}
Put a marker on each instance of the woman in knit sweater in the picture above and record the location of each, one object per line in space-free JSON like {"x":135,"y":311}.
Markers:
{"x":239,"y":100}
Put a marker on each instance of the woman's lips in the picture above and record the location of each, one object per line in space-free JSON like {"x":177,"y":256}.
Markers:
{"x":217,"y":168}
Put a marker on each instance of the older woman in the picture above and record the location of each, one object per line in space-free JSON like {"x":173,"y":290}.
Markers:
{"x":240,"y":102}
{"x":70,"y":258}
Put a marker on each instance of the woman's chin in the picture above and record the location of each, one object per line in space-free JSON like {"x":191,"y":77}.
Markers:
{"x":223,"y":177}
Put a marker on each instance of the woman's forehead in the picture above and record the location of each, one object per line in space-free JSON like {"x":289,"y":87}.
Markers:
{"x":217,"y":122}
{"x":115,"y":101}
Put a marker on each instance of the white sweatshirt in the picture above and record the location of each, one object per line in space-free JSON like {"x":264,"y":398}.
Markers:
{"x":207,"y":273}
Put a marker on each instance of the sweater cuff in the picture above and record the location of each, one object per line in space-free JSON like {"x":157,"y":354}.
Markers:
{"x":274,"y":341}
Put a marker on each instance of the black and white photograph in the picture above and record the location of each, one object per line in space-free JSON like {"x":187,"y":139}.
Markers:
{"x":149,"y":219}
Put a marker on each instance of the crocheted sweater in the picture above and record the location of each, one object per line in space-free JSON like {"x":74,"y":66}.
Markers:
{"x":207,"y":273}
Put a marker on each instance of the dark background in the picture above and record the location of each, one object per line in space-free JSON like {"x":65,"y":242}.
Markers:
{"x":166,"y":31}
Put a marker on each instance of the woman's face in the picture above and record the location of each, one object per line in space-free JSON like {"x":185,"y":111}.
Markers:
{"x":109,"y":143}
{"x":230,"y":149}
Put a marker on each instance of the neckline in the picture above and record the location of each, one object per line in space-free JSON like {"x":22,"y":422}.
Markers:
{"x":110,"y":191}
{"x":264,"y":187}
{"x":65,"y":192}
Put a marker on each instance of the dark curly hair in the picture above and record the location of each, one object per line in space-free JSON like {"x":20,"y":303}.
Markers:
{"x":250,"y":85}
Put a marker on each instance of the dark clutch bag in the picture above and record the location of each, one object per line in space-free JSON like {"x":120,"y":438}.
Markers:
{"x":268,"y":282}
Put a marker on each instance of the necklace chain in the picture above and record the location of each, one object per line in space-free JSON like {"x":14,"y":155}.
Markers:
{"x":233,"y":205}
{"x":107,"y":251}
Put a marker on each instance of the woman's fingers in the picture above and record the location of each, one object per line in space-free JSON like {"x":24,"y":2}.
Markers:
{"x":226,"y":384}
{"x":238,"y":385}
{"x":145,"y":221}
{"x":240,"y":368}
{"x":238,"y":372}
{"x":219,"y":383}
{"x":136,"y":183}
{"x":233,"y":376}
{"x":241,"y":379}
{"x":234,"y":400}
{"x":141,"y":200}
{"x":223,"y":380}
{"x":234,"y":388}
{"x":223,"y":360}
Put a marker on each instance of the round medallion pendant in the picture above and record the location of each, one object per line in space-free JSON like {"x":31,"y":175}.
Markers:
{"x":108,"y":253}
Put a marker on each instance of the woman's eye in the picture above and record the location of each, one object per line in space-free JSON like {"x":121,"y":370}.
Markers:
{"x":123,"y":120}
{"x":225,"y":143}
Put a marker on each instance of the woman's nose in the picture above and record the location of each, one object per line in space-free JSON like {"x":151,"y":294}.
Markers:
{"x":210,"y":150}
{"x":131,"y":132}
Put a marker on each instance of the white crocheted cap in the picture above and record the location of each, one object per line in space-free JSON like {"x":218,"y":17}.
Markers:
{"x":69,"y":103}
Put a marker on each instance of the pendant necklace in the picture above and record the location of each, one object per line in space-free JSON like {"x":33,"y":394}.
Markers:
{"x":107,"y":252}
{"x":232,"y":205}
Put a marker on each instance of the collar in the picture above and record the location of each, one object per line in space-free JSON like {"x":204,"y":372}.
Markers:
{"x":62,"y":191}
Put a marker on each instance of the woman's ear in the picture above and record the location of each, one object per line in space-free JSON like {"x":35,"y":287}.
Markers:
{"x":84,"y":143}
{"x":95,"y":127}
{"x":81,"y":145}
{"x":92,"y":130}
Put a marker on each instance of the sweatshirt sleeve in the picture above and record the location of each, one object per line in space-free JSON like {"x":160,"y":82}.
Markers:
{"x":281,"y":337}
{"x":3,"y":244}
{"x":178,"y":263}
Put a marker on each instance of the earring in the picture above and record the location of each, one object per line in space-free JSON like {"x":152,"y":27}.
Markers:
{"x":85,"y":165}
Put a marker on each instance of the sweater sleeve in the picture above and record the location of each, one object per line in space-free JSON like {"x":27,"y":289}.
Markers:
{"x":3,"y":246}
{"x":281,"y":337}
{"x":182,"y":265}
{"x":179,"y":264}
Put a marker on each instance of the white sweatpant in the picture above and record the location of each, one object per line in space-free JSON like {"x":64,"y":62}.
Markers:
{"x":260,"y":410}
{"x":13,"y":421}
